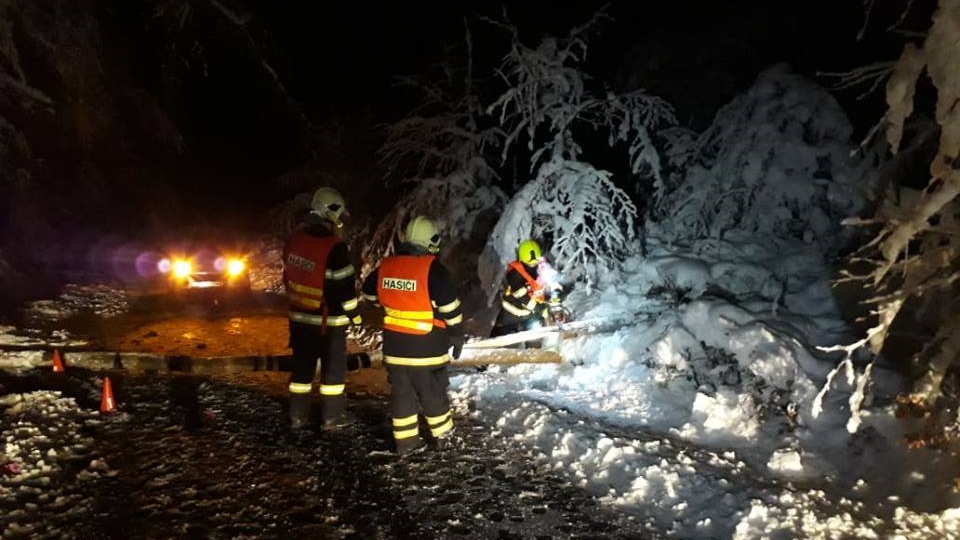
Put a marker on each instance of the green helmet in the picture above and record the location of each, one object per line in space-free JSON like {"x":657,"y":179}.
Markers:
{"x":423,"y":232}
{"x":328,"y":204}
{"x":529,"y":253}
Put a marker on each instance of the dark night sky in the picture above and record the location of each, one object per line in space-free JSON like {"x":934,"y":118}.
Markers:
{"x":338,"y":60}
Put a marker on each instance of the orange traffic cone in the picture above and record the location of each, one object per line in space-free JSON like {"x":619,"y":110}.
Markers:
{"x":107,"y":404}
{"x":57,"y":362}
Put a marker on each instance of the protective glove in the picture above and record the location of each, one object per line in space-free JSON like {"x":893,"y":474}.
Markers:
{"x":543,"y":311}
{"x":456,"y":344}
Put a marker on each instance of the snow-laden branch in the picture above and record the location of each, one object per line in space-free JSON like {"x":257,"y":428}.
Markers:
{"x":916,"y":251}
{"x":847,"y":369}
{"x":874,"y":74}
{"x":587,"y":221}
{"x":442,"y":153}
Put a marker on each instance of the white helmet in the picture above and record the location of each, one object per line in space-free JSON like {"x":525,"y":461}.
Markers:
{"x":423,"y":232}
{"x":328,"y":204}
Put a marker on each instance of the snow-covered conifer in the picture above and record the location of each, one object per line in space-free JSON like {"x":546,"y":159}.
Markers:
{"x":773,"y":163}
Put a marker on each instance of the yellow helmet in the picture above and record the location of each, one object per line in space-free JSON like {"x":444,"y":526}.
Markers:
{"x":529,"y":253}
{"x":328,"y":204}
{"x":423,"y":232}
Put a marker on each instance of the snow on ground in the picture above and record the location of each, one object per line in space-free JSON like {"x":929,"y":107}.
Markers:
{"x":11,"y":336}
{"x":43,"y":443}
{"x":101,"y":300}
{"x":697,"y":415}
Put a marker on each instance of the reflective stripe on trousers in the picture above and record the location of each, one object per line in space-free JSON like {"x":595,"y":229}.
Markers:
{"x":439,"y":425}
{"x":406,"y":427}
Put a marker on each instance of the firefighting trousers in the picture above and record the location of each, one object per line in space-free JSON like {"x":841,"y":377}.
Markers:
{"x":415,"y":389}
{"x":311,"y":344}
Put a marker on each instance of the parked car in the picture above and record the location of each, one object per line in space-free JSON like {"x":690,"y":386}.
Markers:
{"x":197,"y":265}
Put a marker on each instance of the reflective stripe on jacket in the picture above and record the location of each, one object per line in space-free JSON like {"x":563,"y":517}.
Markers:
{"x":521,"y":302}
{"x":402,"y":290}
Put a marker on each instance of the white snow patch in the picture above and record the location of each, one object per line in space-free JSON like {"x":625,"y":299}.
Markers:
{"x":101,"y":300}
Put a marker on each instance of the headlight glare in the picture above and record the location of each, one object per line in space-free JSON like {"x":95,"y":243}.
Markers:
{"x":182,"y":268}
{"x":235,"y":267}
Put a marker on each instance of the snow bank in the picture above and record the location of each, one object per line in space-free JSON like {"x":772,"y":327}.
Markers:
{"x":101,"y":300}
{"x":696,"y":414}
{"x":20,"y":338}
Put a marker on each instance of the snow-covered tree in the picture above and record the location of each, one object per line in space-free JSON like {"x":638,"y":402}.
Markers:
{"x":574,"y":207}
{"x":443,"y":152}
{"x":773,"y":163}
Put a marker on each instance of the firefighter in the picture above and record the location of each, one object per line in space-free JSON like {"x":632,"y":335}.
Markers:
{"x":319,"y":279}
{"x":528,"y":293}
{"x":422,"y":321}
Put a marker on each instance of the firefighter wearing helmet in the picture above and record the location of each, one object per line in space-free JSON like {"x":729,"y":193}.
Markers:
{"x":528,"y":291}
{"x":319,"y":279}
{"x":422,"y":321}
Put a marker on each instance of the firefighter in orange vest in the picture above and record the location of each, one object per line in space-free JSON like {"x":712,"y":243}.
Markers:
{"x":422,"y":321}
{"x":527,"y":296}
{"x":319,"y":279}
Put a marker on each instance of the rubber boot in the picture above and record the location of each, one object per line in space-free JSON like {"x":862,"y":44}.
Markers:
{"x":410,"y":446}
{"x":299,"y":411}
{"x":448,"y":440}
{"x":332,"y":412}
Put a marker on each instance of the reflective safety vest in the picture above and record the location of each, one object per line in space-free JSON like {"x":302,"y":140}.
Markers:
{"x":535,"y":289}
{"x":402,"y":290}
{"x":305,"y":268}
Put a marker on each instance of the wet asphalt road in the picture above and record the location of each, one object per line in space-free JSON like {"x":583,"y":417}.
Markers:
{"x":195,"y":458}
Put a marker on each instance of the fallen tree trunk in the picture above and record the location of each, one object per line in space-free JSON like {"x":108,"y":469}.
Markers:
{"x":492,"y":356}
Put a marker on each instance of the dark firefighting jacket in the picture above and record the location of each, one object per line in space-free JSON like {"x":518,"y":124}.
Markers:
{"x":421,"y":307}
{"x":522,"y":293}
{"x":319,"y":278}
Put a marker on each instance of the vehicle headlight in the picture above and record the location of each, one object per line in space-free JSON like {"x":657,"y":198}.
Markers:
{"x":235,"y":267}
{"x":182,"y":268}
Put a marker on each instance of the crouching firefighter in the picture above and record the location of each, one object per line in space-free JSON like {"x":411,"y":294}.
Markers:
{"x":531,"y":294}
{"x":319,"y":279}
{"x":422,"y":321}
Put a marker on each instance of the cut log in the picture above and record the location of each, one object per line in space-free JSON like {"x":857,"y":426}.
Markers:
{"x":572,"y":328}
{"x":494,"y":356}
